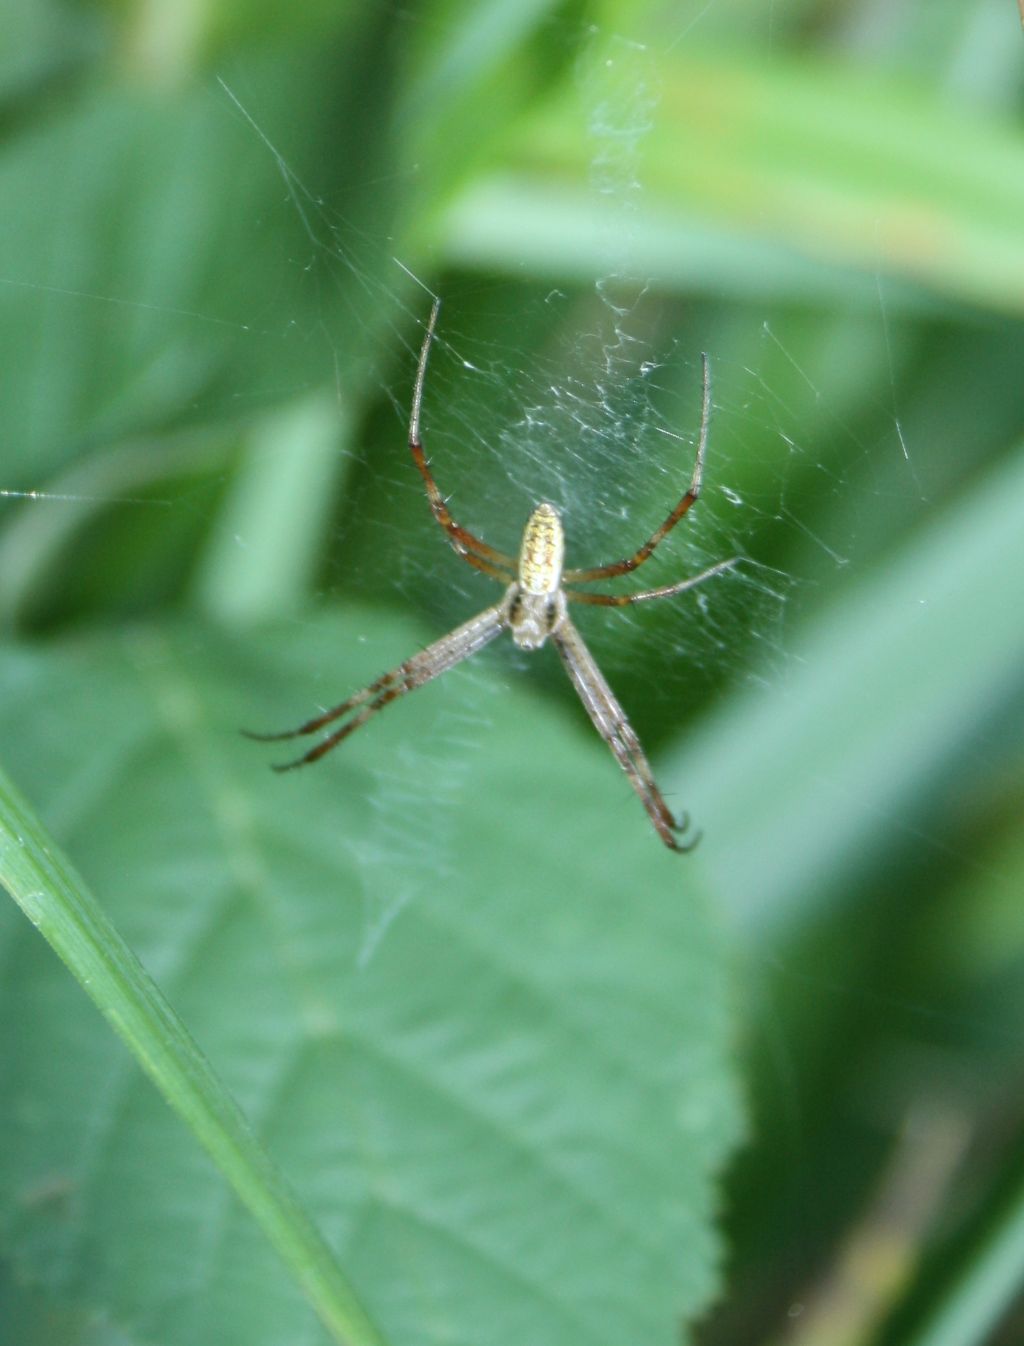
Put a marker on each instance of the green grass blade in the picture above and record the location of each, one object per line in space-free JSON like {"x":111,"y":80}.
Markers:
{"x":775,"y":171}
{"x":982,"y":1287}
{"x":44,"y":884}
{"x":919,"y":654}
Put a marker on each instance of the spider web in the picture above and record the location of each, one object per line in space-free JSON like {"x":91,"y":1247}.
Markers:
{"x":600,"y":417}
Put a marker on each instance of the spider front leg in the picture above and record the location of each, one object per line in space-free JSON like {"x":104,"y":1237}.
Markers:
{"x":430,"y":663}
{"x":689,"y":498}
{"x":466,"y":544}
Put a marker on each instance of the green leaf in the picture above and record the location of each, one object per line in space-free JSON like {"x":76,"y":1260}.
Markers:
{"x":57,"y":903}
{"x":472,"y":1005}
{"x":43,"y":42}
{"x":169,"y":286}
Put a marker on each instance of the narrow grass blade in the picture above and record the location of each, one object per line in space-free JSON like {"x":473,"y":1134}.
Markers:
{"x":44,"y":884}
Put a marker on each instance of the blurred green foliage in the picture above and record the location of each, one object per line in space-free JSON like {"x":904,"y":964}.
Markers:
{"x":217,"y":223}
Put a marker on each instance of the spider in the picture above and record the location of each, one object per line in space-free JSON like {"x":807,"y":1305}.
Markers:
{"x":534,"y":609}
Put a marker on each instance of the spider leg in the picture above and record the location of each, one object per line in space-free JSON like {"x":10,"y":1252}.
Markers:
{"x":666,"y":590}
{"x":478,"y":563}
{"x":466,"y":544}
{"x":436,"y":659}
{"x":692,"y":494}
{"x":610,"y":722}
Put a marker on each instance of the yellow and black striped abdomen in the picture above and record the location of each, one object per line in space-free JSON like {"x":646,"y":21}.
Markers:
{"x":542,"y":552}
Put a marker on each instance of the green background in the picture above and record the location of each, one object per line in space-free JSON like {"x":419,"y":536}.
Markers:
{"x":533,"y":1077}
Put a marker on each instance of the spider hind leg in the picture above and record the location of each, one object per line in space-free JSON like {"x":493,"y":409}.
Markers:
{"x":674,"y":838}
{"x":609,"y":719}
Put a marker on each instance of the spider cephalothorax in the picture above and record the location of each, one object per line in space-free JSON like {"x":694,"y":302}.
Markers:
{"x":534,"y":610}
